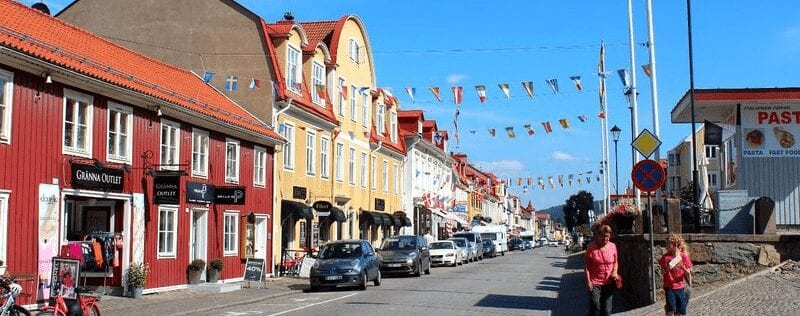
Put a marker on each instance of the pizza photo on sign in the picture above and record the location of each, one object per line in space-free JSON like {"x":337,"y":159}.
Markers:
{"x":755,"y":138}
{"x":785,"y":138}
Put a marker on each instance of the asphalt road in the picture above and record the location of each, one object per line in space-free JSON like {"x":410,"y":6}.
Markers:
{"x":519,"y":283}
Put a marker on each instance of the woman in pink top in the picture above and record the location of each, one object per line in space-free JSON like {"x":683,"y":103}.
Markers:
{"x":601,"y":271}
{"x":677,"y":267}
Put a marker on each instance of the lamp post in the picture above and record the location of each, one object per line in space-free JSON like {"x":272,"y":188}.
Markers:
{"x":615,"y":131}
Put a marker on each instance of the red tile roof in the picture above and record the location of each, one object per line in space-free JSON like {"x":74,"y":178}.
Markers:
{"x":52,"y":40}
{"x":319,"y":31}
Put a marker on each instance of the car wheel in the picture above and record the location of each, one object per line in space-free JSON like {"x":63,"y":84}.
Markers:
{"x":417,"y":269}
{"x":363,"y":285}
{"x":377,"y":280}
{"x":428,"y":270}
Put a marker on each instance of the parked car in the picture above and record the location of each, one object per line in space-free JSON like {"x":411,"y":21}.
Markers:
{"x":489,"y":250}
{"x":475,"y":241}
{"x":463,"y":245}
{"x":405,"y":254}
{"x":515,"y":244}
{"x":445,"y":252}
{"x":543,"y":242}
{"x":552,"y":243}
{"x":345,"y":263}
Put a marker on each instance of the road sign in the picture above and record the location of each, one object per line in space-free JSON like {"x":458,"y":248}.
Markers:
{"x":646,"y":143}
{"x":648,"y":175}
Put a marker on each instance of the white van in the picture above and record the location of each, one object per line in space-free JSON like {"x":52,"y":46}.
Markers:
{"x":497,"y":234}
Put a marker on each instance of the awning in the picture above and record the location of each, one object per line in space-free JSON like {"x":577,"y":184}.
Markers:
{"x":396,"y":221}
{"x":337,"y":215}
{"x":386,"y":220}
{"x":404,"y":220}
{"x":296,"y":209}
{"x":372,"y":218}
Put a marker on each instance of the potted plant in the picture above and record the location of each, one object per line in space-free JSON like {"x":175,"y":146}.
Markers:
{"x":137,"y":278}
{"x":215,"y":266}
{"x":195,"y":270}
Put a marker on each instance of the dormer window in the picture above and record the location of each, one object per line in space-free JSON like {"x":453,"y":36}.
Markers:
{"x":393,"y":126}
{"x":355,"y":51}
{"x":318,"y":80}
{"x":380,"y":119}
{"x":294,"y":74}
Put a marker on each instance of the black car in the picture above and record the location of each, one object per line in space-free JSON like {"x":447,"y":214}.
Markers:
{"x":345,"y":263}
{"x":405,"y":254}
{"x":488,"y":249}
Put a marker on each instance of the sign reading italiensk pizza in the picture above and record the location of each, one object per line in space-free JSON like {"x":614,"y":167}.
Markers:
{"x":770,"y":131}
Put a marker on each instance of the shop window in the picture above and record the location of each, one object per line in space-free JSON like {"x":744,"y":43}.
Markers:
{"x":120,"y":119}
{"x":199,"y":153}
{"x":6,"y":97}
{"x":4,"y":196}
{"x":170,"y":145}
{"x":232,"y":161}
{"x":259,"y":166}
{"x":84,"y":217}
{"x":78,"y":118}
{"x":230,"y":235}
{"x":167,"y":231}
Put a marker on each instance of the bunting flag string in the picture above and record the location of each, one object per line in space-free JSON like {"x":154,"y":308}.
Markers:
{"x":577,"y":81}
{"x":321,"y":91}
{"x":647,"y":70}
{"x":506,"y":90}
{"x":458,"y":95}
{"x":481,"y":89}
{"x":255,"y":84}
{"x":411,"y":91}
{"x":345,"y":92}
{"x":583,"y":118}
{"x":435,"y":91}
{"x":510,"y":131}
{"x":564,"y":123}
{"x":547,"y":128}
{"x":553,"y":83}
{"x":455,"y":124}
{"x":492,"y":132}
{"x":528,"y":128}
{"x":528,"y":86}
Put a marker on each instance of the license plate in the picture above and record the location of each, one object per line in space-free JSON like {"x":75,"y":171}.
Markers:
{"x":394,"y":265}
{"x":333,"y":277}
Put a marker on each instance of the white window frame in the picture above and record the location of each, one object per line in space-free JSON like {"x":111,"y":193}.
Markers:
{"x":339,"y":162}
{"x":5,"y":196}
{"x":72,"y":149}
{"x":324,"y":166}
{"x":385,"y":172}
{"x":711,"y":151}
{"x":199,"y":153}
{"x":176,"y":141}
{"x":365,"y":103}
{"x":353,"y":104}
{"x":396,"y":179}
{"x":229,"y":236}
{"x":288,"y":148}
{"x":713,"y":179}
{"x":339,"y":87}
{"x":374,"y":168}
{"x":259,"y":166}
{"x":6,"y":106}
{"x":351,"y":166}
{"x":311,"y":159}
{"x":233,"y":163}
{"x":380,"y":121}
{"x":354,"y":51}
{"x":363,"y":170}
{"x":120,"y":110}
{"x":173,"y":230}
{"x":393,"y":126}
{"x":317,"y":78}
{"x":294,"y":68}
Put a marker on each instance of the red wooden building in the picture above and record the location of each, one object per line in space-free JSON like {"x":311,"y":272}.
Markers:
{"x":100,"y":143}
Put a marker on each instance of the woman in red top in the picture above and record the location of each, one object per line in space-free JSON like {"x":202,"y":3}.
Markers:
{"x":676,"y":266}
{"x":601,"y":271}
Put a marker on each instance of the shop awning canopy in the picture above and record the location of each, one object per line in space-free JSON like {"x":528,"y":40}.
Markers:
{"x":371,"y":218}
{"x":296,"y":210}
{"x":386,"y":219}
{"x":404,"y":220}
{"x":337,"y":215}
{"x":396,"y":221}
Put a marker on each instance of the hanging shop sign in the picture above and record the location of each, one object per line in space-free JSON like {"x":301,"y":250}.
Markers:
{"x":200,"y":192}
{"x":770,"y":131}
{"x":323,"y":208}
{"x":166,"y":189}
{"x":380,"y":205}
{"x":94,"y":178}
{"x":299,"y":193}
{"x":229,"y":195}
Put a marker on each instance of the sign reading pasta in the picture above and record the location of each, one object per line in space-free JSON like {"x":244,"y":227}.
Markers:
{"x":770,"y":131}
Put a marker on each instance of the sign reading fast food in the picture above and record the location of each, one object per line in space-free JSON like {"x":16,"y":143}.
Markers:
{"x":770,"y":131}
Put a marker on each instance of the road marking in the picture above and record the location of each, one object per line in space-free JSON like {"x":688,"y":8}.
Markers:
{"x":313,"y":298}
{"x":314,"y":304}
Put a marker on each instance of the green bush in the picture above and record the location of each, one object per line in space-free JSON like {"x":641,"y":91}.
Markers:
{"x":137,"y":275}
{"x":216,"y":264}
{"x":197,"y":265}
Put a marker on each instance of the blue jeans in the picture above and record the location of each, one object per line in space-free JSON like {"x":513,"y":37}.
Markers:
{"x":676,"y":301}
{"x":601,"y":299}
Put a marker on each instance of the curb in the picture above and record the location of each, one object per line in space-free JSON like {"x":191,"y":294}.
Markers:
{"x":249,"y":301}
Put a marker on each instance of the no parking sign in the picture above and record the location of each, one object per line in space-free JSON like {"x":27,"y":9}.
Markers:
{"x":648,"y":175}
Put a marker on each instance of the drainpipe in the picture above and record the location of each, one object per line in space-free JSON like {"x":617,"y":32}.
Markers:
{"x":275,"y":116}
{"x":369,"y":188}
{"x":276,"y":205}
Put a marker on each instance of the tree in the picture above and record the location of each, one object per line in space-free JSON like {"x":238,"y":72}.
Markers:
{"x":576,"y":209}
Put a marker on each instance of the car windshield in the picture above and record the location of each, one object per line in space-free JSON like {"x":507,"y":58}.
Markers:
{"x":441,"y":245}
{"x":399,"y":243}
{"x":460,"y":242}
{"x":340,"y":251}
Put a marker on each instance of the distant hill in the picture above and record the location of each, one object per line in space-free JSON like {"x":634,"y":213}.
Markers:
{"x":557,"y":212}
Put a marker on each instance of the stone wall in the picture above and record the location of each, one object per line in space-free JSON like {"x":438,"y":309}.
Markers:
{"x":717,"y":258}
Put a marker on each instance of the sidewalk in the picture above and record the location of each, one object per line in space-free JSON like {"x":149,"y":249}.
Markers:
{"x":184,"y":302}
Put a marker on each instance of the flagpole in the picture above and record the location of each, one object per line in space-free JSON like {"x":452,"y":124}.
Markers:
{"x":654,"y":96}
{"x":603,"y":131}
{"x":633,"y":98}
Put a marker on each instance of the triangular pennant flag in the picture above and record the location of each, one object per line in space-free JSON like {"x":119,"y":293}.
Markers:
{"x":481,"y":89}
{"x":570,"y":178}
{"x":274,"y":88}
{"x":561,"y":180}
{"x":547,"y":128}
{"x":598,"y":178}
{"x":519,"y":182}
{"x":624,"y":77}
{"x":345,"y":91}
{"x":601,"y":115}
{"x":528,"y":87}
{"x":411,"y":92}
{"x":577,"y":81}
{"x":458,"y":95}
{"x":255,"y":84}
{"x":530,"y":181}
{"x":322,"y":92}
{"x":207,"y":76}
{"x":529,"y":128}
{"x":588,"y":180}
{"x":647,"y":70}
{"x":492,"y":132}
{"x":510,"y":131}
{"x":363,"y":90}
{"x":541,"y":182}
{"x":435,"y":91}
{"x":550,"y":181}
{"x":583,"y":118}
{"x":553,"y":83}
{"x":473,"y":131}
{"x":579,"y":180}
{"x":506,"y":90}
{"x":564,"y":123}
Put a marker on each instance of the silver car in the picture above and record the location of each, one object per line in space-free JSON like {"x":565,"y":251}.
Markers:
{"x":467,"y":253}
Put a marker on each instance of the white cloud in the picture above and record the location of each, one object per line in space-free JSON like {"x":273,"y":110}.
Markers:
{"x":502,"y":168}
{"x":560,"y":155}
{"x":455,"y":78}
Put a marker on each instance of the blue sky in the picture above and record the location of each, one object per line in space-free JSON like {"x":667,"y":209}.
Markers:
{"x":419,"y":44}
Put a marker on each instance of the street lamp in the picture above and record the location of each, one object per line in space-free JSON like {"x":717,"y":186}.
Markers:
{"x":615,"y":131}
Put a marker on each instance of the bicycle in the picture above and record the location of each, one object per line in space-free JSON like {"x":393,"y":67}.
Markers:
{"x":88,"y":305}
{"x":10,"y":292}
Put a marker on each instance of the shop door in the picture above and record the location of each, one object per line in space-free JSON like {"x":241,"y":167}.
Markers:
{"x":261,"y":237}
{"x":198,"y":236}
